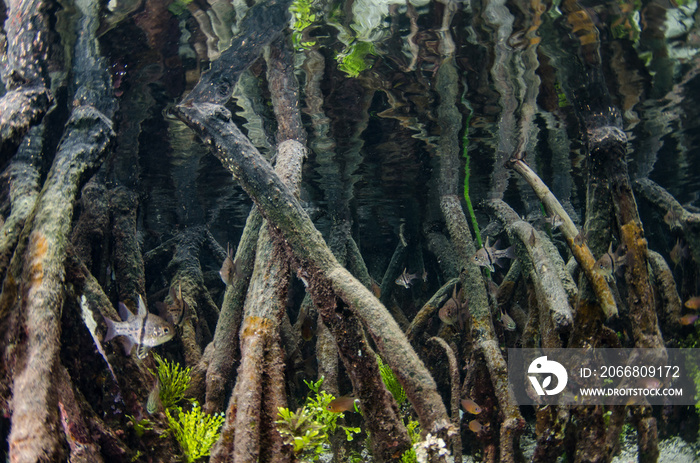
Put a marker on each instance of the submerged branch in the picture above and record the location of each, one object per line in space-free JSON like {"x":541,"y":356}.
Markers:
{"x":578,"y":246}
{"x":316,"y":262}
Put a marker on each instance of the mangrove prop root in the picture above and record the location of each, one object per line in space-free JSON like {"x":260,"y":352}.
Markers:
{"x":381,"y":414}
{"x":645,"y":328}
{"x":23,"y":176}
{"x":33,"y":434}
{"x":225,"y":343}
{"x":669,"y":303}
{"x":23,"y":69}
{"x":454,"y":395}
{"x":263,"y":311}
{"x":87,"y":135}
{"x":647,"y":438}
{"x":578,"y":247}
{"x":482,"y":327}
{"x":665,"y":203}
{"x":83,"y":448}
{"x":608,"y":148}
{"x":426,"y":312}
{"x":548,"y":286}
{"x":272,"y":447}
{"x":127,"y":262}
{"x":315,"y":260}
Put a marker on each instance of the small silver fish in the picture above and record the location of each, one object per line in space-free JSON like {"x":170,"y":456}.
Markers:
{"x":230,"y":268}
{"x":611,"y":262}
{"x":554,"y":221}
{"x":143,"y":329}
{"x":406,"y":279}
{"x":673,"y":219}
{"x":489,"y":255}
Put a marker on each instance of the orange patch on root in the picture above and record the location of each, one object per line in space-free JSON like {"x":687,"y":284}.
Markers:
{"x":38,"y":247}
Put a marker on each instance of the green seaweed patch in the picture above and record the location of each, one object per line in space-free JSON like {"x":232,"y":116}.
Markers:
{"x":308,"y":429}
{"x":195,"y":431}
{"x":173,"y":381}
{"x":391,"y":382}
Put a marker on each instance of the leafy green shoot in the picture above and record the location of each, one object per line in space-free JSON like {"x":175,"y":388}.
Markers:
{"x":172,"y":380}
{"x":140,"y":426}
{"x":195,"y":431}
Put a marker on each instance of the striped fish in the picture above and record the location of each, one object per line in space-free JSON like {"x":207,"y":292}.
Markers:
{"x":144,"y":329}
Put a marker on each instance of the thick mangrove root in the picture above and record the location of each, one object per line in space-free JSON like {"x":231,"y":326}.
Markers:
{"x":37,"y":268}
{"x":668,"y":303}
{"x":548,"y":286}
{"x":23,"y":70}
{"x":578,"y":246}
{"x":23,"y":178}
{"x":482,"y":329}
{"x":678,"y":216}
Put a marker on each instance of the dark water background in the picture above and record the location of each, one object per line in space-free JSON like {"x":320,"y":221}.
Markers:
{"x":380,"y":152}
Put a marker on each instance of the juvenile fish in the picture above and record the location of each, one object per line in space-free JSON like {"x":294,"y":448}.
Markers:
{"x":507,"y":322}
{"x":693,"y":303}
{"x":230,"y":269}
{"x":688,"y":319}
{"x":176,"y":312}
{"x":144,"y":329}
{"x":554,"y":221}
{"x":406,"y":279}
{"x":487,"y":256}
{"x":471,"y":407}
{"x":343,"y":404}
{"x":453,"y":311}
{"x":475,"y":426}
{"x":672,"y":219}
{"x":679,"y":252}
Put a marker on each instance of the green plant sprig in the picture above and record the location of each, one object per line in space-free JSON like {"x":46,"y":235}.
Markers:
{"x":173,"y":381}
{"x":195,"y":431}
{"x":391,"y":382}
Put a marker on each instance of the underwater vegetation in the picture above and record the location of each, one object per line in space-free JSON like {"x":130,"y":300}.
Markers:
{"x":323,"y":224}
